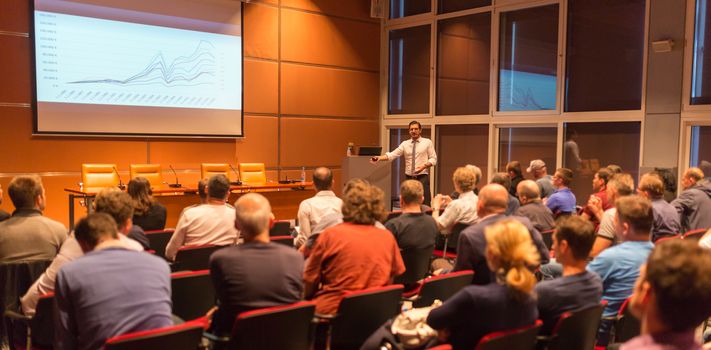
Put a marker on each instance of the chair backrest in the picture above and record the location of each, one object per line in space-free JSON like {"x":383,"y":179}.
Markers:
{"x":417,"y":264}
{"x":158,"y":240}
{"x":442,"y":287}
{"x":626,"y":326}
{"x":194,"y":258}
{"x":667,"y":238}
{"x":152,"y":172}
{"x":577,"y":330}
{"x":280,"y":228}
{"x":548,"y":238}
{"x":185,"y":336}
{"x":208,"y":170}
{"x":252,"y":173}
{"x":285,"y":240}
{"x":15,"y":279}
{"x":193,"y":294}
{"x":282,"y":327}
{"x":361,"y":313}
{"x":523,"y":338}
{"x":695,"y":234}
{"x":99,"y":175}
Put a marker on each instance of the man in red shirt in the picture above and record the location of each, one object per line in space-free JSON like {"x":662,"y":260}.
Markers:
{"x":599,"y":184}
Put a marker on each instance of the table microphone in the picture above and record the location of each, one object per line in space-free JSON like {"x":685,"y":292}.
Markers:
{"x":176,"y":184}
{"x":121,"y":186}
{"x":238,"y":182}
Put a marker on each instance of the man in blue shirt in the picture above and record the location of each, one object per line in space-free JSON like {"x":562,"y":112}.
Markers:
{"x":618,"y":266}
{"x":562,"y":201}
{"x":110,"y":290}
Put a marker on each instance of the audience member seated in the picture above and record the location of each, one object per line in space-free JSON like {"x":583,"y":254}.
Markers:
{"x":538,"y":170}
{"x":666,"y":219}
{"x":28,"y":235}
{"x":110,"y":290}
{"x":3,"y":214}
{"x":513,"y":168}
{"x":353,"y":255}
{"x":210,"y":223}
{"x":312,"y":210}
{"x":614,"y":169}
{"x":148,"y":213}
{"x":111,"y":198}
{"x":504,"y":303}
{"x":255,"y":274}
{"x":620,"y":185}
{"x":578,"y":288}
{"x":670,"y":185}
{"x":562,"y":201}
{"x":694,"y":202}
{"x":672,"y":297}
{"x":455,"y":194}
{"x":599,"y":186}
{"x":529,"y":194}
{"x":115,"y":203}
{"x":618,"y":266}
{"x":413,"y":229}
{"x":471,"y":249}
{"x":504,"y":179}
{"x":461,"y":210}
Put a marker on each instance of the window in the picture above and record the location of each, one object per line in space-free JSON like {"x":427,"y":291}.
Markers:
{"x":525,"y":144}
{"x":404,"y":8}
{"x":409,"y":83}
{"x":463,"y":65}
{"x":397,"y":136}
{"x":528,"y":59}
{"x":700,"y":82}
{"x":459,"y":145}
{"x":446,"y":6}
{"x":700,"y":153}
{"x":605,"y":50}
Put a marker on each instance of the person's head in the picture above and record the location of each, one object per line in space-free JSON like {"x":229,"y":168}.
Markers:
{"x":528,"y":191}
{"x":674,"y":287}
{"x":493,"y":199}
{"x":140,"y":191}
{"x":562,"y":177}
{"x":537,"y":168}
{"x":253,"y":215}
{"x":363,"y":205}
{"x":705,"y":167}
{"x":669,"y":178}
{"x":510,"y":253}
{"x":620,"y":185}
{"x":202,"y":189}
{"x":411,"y":193}
{"x":573,"y":239}
{"x":415,"y":129}
{"x":218,"y":188}
{"x":0,"y":194}
{"x":503,"y":179}
{"x":118,"y":205}
{"x":634,"y":218}
{"x":691,"y":177}
{"x":323,"y":179}
{"x":513,"y":168}
{"x":477,"y":172}
{"x":353,"y":183}
{"x":600,"y":179}
{"x":26,"y":192}
{"x":614,"y":168}
{"x":651,"y":186}
{"x":93,"y":229}
{"x":464,"y":180}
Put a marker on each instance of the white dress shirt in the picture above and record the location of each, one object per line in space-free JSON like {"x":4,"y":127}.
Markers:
{"x":424,"y":152}
{"x":312,"y":210}
{"x":203,"y":224}
{"x":461,"y":210}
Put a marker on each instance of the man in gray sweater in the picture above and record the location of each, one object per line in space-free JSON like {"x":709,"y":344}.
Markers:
{"x":694,"y":203}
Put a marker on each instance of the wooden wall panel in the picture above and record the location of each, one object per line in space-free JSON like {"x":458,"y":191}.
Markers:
{"x":310,"y":90}
{"x":359,"y":9}
{"x":15,"y":69}
{"x":15,"y":16}
{"x":260,"y":144}
{"x":318,"y":39}
{"x":261,"y":37}
{"x":261,"y":92}
{"x":190,"y":154}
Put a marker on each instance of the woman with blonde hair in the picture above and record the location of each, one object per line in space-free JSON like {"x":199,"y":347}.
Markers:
{"x":507,"y":303}
{"x":148,"y":213}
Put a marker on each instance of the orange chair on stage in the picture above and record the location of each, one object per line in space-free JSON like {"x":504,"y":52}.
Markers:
{"x":152,"y":172}
{"x":99,"y":175}
{"x":252,"y":173}
{"x":208,"y":170}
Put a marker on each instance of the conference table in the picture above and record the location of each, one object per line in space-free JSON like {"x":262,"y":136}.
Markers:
{"x":283,"y":197}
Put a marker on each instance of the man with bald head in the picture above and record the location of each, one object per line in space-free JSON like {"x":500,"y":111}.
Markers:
{"x":471,"y":248}
{"x":324,"y":203}
{"x":529,"y":194}
{"x":255,"y":274}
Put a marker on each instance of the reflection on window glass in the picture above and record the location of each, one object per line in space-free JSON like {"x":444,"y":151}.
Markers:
{"x":404,"y":8}
{"x":589,"y":146}
{"x":526,"y":144}
{"x":397,"y":136}
{"x":528,"y":59}
{"x":463,"y":65}
{"x":409,"y":74}
{"x":446,"y":6}
{"x":700,"y":152}
{"x":459,"y":145}
{"x":700,"y":78}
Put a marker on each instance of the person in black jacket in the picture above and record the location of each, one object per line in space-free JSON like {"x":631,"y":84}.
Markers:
{"x":148,"y":213}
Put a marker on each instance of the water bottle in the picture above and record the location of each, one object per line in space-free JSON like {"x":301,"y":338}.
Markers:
{"x":349,"y":150}
{"x":303,"y":174}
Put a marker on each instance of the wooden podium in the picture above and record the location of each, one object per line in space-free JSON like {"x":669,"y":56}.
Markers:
{"x":377,"y":174}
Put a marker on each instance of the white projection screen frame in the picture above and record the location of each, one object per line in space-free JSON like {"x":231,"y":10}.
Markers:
{"x":138,"y":68}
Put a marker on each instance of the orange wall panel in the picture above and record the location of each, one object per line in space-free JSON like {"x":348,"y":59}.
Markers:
{"x":359,"y":9}
{"x":323,"y":91}
{"x":15,"y":16}
{"x":190,"y":154}
{"x":261,"y":37}
{"x":259,"y":144}
{"x":15,"y":69}
{"x":261,"y":92}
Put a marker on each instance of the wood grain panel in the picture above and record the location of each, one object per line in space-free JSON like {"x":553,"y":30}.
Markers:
{"x":311,"y":90}
{"x":15,"y":69}
{"x":313,"y":38}
{"x":359,"y":9}
{"x":15,"y":16}
{"x":190,"y":154}
{"x":259,"y":144}
{"x":315,"y":142}
{"x":261,"y":25}
{"x":261,"y":92}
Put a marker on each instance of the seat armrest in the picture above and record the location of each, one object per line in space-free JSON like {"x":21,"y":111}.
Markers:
{"x":323,"y":318}
{"x":16,"y":315}
{"x":215,"y":338}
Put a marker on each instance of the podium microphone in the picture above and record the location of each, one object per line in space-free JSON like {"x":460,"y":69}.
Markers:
{"x":121,"y":186}
{"x":238,"y":182}
{"x":176,"y":184}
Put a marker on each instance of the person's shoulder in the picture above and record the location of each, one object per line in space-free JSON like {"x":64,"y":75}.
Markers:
{"x":56,"y":225}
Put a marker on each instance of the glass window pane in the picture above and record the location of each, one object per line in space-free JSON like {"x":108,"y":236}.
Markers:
{"x":589,"y":146}
{"x":446,"y":6}
{"x":526,"y":144}
{"x":409,"y":83}
{"x":700,"y":82}
{"x":528,"y":59}
{"x":404,"y":8}
{"x":464,"y":45}
{"x":459,"y":145}
{"x":701,"y":149}
{"x":605,"y":50}
{"x":397,"y":136}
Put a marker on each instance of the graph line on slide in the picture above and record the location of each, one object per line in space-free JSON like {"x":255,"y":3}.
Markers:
{"x":198,"y":68}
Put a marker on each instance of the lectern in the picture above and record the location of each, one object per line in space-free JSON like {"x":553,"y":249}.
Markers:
{"x":377,"y":174}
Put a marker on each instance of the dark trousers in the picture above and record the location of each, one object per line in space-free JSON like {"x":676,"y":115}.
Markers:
{"x":425,"y":180}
